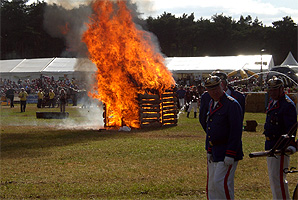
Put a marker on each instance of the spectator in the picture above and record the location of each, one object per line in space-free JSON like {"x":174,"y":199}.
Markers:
{"x":194,"y":95}
{"x":40,"y":96}
{"x":181,"y":95}
{"x":10,"y":95}
{"x":23,"y":99}
{"x":62,"y":100}
{"x":51,"y":99}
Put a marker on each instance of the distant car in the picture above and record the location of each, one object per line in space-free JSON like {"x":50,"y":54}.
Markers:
{"x":287,"y":74}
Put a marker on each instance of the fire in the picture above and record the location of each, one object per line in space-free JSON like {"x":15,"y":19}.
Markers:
{"x":126,"y":60}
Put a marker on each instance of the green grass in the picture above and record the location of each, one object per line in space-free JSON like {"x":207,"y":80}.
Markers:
{"x":41,"y":160}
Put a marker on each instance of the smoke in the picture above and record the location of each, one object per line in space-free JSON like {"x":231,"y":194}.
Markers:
{"x":92,"y":117}
{"x":68,"y":24}
{"x":87,"y":118}
{"x":67,"y":19}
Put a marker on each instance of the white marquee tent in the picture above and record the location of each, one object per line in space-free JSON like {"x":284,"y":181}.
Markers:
{"x":74,"y":67}
{"x":290,"y":62}
{"x":34,"y":68}
{"x":225,"y":63}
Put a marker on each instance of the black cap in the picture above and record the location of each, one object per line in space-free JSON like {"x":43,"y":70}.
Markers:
{"x":212,"y":81}
{"x":275,"y":83}
{"x":220,"y":74}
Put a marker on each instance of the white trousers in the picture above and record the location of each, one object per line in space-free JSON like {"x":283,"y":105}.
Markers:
{"x":277,"y":178}
{"x":193,"y":105}
{"x":220,"y":180}
{"x":181,"y":102}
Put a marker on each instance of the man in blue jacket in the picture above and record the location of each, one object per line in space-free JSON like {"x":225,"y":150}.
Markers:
{"x":205,"y":98}
{"x":223,"y":140}
{"x":281,"y":117}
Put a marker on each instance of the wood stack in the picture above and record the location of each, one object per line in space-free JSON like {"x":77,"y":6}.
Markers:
{"x":155,"y":110}
{"x":150,"y":112}
{"x":169,"y":108}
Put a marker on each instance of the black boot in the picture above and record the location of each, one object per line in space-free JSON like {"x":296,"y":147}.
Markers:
{"x":187,"y":115}
{"x":195,"y":115}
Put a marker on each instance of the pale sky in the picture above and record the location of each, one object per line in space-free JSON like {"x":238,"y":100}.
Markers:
{"x":267,"y":11}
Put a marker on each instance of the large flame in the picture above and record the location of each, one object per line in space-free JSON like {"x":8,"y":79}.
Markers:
{"x":126,"y":60}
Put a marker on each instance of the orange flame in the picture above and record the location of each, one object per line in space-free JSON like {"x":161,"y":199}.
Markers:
{"x":126,"y":60}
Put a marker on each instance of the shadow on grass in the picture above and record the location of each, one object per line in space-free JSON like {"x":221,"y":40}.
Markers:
{"x":25,"y":142}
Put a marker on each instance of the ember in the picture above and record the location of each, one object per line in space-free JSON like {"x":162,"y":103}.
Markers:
{"x":128,"y":64}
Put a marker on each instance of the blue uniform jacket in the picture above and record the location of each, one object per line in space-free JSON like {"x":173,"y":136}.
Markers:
{"x":279,"y":120}
{"x":240,"y":97}
{"x":224,"y":129}
{"x":204,"y":106}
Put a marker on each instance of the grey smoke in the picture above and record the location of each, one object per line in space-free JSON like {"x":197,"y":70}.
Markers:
{"x":57,"y":17}
{"x":75,"y":15}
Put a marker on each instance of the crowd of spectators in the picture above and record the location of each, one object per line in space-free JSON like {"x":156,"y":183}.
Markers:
{"x":245,"y":86}
{"x":44,"y":83}
{"x":250,"y":85}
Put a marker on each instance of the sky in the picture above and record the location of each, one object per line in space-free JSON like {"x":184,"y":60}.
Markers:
{"x":266,"y":11}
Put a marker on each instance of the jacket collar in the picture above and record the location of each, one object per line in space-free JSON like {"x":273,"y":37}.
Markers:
{"x":218,"y":105}
{"x":276,"y":105}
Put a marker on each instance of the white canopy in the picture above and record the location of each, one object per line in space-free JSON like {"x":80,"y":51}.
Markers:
{"x":289,"y":61}
{"x":225,"y":63}
{"x":33,"y":68}
{"x":73,"y":67}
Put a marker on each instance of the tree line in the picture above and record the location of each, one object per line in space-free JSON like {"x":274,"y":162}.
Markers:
{"x":23,"y":34}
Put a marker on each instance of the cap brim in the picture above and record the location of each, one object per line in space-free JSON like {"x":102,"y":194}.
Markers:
{"x":212,"y":86}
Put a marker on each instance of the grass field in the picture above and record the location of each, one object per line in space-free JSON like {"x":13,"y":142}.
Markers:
{"x":62,"y":159}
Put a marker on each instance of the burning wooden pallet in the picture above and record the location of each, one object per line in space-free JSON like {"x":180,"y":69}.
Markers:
{"x":169,"y":108}
{"x":155,"y":110}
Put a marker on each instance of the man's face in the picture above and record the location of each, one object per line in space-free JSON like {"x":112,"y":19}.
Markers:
{"x":275,"y":93}
{"x":224,"y":85}
{"x":215,"y":92}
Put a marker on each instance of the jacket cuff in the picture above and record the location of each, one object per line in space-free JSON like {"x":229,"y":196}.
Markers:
{"x":231,"y":153}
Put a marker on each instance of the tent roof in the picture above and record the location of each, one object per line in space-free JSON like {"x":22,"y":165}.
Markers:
{"x":32,"y":65}
{"x":289,"y":61}
{"x":9,"y":65}
{"x":174,"y":64}
{"x":61,"y":65}
{"x":225,"y":63}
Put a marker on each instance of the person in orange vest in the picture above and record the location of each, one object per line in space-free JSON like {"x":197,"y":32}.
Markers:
{"x":52,"y":97}
{"x":23,"y":98}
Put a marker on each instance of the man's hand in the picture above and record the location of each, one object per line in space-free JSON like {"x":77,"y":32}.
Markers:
{"x":228,"y":161}
{"x":209,"y":157}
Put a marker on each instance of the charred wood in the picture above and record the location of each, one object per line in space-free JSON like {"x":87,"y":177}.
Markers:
{"x":149,"y":120}
{"x":169,"y":117}
{"x":149,"y":115}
